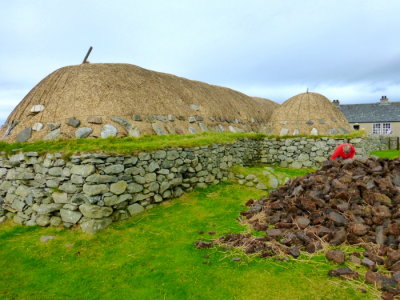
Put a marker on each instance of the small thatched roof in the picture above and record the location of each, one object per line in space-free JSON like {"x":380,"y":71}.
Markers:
{"x":122,"y":90}
{"x":308,"y":113}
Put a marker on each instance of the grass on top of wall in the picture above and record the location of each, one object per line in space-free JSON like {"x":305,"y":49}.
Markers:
{"x":152,"y":256}
{"x":387,"y":153}
{"x":131,"y":145}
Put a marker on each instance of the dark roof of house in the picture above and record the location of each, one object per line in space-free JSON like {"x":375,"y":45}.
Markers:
{"x":371,"y":113}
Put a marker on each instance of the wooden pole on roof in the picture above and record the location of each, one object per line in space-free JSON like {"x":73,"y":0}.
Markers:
{"x":87,"y":55}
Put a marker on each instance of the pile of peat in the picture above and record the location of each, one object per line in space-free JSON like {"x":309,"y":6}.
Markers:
{"x":353,"y":201}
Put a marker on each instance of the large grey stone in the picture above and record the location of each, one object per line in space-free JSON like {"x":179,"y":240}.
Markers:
{"x":158,"y":129}
{"x":121,"y":122}
{"x":114,"y":169}
{"x":203,"y":127}
{"x":16,"y":159}
{"x":150,"y":177}
{"x":60,"y":197}
{"x":37,"y":126}
{"x":164,"y":186}
{"x":83,"y":132}
{"x":134,"y":188}
{"x":108,"y":130}
{"x":18,"y":205}
{"x":139,"y":179}
{"x":153,"y":166}
{"x":73,"y":122}
{"x":137,"y":118}
{"x":160,"y":154}
{"x":37,"y":108}
{"x":192,"y":130}
{"x":314,"y":131}
{"x":68,"y":188}
{"x":55,"y":134}
{"x":97,"y":178}
{"x":118,"y":187}
{"x":153,"y":187}
{"x":296,"y":165}
{"x":93,"y":226}
{"x":134,"y":171}
{"x":44,"y":209}
{"x":172,"y":155}
{"x":3,"y":172}
{"x":70,"y":216}
{"x":24,"y":135}
{"x":135,"y":209}
{"x":194,"y":107}
{"x":76,"y":179}
{"x":332,"y":131}
{"x":94,"y":211}
{"x":43,"y":220}
{"x":23,"y":191}
{"x":95,"y":189}
{"x":134,"y":131}
{"x":303,"y":157}
{"x":53,"y":126}
{"x":284,"y":131}
{"x":114,"y":199}
{"x":144,"y":156}
{"x":83,"y":170}
{"x":55,"y":221}
{"x":11,"y":126}
{"x":55,"y":171}
{"x":162,"y":118}
{"x":94,"y":119}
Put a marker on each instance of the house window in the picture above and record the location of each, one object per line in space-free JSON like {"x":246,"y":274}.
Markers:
{"x":386,"y":128}
{"x":376,"y":129}
{"x":356,"y":127}
{"x":382,"y":128}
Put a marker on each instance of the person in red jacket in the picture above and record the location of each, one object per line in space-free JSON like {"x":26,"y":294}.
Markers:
{"x":344,"y":151}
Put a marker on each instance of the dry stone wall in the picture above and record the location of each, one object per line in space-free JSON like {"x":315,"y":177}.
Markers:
{"x":94,"y":190}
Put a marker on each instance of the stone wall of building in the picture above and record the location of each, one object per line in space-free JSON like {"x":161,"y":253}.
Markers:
{"x":94,"y":190}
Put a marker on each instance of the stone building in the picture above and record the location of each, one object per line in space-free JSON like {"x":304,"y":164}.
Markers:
{"x":376,"y":118}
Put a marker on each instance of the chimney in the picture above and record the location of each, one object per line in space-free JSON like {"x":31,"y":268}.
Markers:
{"x":336,"y":102}
{"x":384,"y":100}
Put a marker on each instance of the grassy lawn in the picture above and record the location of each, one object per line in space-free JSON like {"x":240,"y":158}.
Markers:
{"x":387,"y":153}
{"x":151,"y":256}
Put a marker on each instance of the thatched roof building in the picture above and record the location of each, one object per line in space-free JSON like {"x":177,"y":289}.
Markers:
{"x":309,"y":114}
{"x":98,"y":100}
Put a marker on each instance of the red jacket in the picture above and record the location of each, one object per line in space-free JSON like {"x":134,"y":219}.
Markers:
{"x":340,"y":153}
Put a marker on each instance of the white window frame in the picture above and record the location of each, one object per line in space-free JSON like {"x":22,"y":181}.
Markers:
{"x":382,"y":128}
{"x":386,"y":128}
{"x":376,"y":128}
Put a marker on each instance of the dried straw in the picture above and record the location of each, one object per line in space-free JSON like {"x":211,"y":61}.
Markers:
{"x":305,"y":112}
{"x":109,"y":90}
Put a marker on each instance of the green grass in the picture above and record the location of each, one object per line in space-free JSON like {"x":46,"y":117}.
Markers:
{"x":151,"y":256}
{"x":131,"y":145}
{"x":387,"y":153}
{"x":280,"y":173}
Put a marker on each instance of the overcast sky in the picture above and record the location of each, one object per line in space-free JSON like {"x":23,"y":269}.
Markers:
{"x":345,"y":49}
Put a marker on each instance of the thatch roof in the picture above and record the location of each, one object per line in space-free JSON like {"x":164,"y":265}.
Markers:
{"x":308,"y":113}
{"x":123,"y":90}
